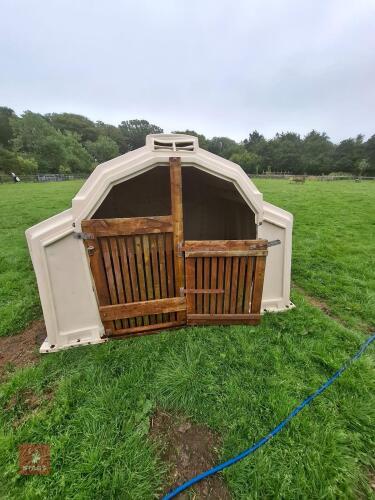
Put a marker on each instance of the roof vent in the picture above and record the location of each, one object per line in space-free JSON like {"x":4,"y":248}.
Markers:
{"x":163,"y":145}
{"x":172,"y":142}
{"x":184,"y":146}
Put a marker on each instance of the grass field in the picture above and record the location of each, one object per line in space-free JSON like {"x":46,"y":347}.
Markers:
{"x":95,"y":404}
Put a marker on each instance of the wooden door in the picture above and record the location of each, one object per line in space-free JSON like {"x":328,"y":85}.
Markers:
{"x":224,"y":281}
{"x":138,"y":267}
{"x":146,"y":278}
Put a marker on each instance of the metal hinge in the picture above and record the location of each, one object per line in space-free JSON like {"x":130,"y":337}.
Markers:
{"x":273,"y":243}
{"x":83,"y":236}
{"x":90,"y":250}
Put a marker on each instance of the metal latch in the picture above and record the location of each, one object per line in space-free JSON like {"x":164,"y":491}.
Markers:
{"x":273,"y":243}
{"x":90,"y":250}
{"x":83,"y":236}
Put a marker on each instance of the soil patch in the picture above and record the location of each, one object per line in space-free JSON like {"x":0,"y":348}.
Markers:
{"x":21,"y":349}
{"x":188,"y":449}
{"x":372,"y":480}
{"x":320,"y":304}
{"x":317,"y":303}
{"x":22,"y":404}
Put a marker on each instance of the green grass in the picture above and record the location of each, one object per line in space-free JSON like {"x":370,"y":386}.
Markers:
{"x":333,"y":243}
{"x":240,"y":381}
{"x":22,"y":206}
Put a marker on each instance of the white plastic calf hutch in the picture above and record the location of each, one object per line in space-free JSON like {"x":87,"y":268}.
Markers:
{"x":163,"y":236}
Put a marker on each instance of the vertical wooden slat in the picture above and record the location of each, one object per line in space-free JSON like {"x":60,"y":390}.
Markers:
{"x":98,"y":272}
{"x":155,"y":271}
{"x":241,"y":281}
{"x":148,"y":272}
{"x":220,"y":285}
{"x":233,"y":292}
{"x":190,"y":284}
{"x":133,"y":273}
{"x":170,"y":270}
{"x":118,"y":275}
{"x":163,"y":276}
{"x":227,"y":285}
{"x":110,"y":277}
{"x":177,"y":216}
{"x":126,"y":275}
{"x":141,"y":272}
{"x":206,"y":284}
{"x":256,"y":302}
{"x":248,"y":285}
{"x":199,"y":284}
{"x":213,"y":284}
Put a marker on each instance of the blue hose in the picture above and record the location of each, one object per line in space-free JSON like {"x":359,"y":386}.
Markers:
{"x":276,"y":430}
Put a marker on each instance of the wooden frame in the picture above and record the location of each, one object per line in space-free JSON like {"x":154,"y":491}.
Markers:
{"x":148,"y":279}
{"x":233,"y":268}
{"x":123,"y":227}
{"x":178,"y":229}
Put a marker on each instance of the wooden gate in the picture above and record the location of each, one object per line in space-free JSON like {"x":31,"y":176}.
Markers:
{"x":224,"y":281}
{"x":144,"y":282}
{"x":132,"y":263}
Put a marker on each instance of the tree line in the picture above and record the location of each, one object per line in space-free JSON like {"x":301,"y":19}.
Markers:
{"x":68,"y":143}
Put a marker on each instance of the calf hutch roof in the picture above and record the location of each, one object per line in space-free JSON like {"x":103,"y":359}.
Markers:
{"x":166,"y":235}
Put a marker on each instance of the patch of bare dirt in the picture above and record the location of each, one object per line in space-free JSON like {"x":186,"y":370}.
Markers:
{"x":316,"y":303}
{"x":188,"y":450}
{"x":21,"y":349}
{"x":372,"y":480}
{"x":24,"y":402}
{"x":325,"y":308}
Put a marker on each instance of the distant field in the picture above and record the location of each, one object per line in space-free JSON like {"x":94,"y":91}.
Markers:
{"x":94,"y":405}
{"x":333,"y":243}
{"x":21,"y":206}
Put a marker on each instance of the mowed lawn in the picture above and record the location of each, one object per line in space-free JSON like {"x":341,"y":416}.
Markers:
{"x":94,"y":404}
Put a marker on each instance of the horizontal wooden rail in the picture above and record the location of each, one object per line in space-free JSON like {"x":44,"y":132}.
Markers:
{"x":224,"y":245}
{"x":203,"y":290}
{"x":145,"y":330}
{"x":124,"y":227}
{"x":143,"y":308}
{"x":225,"y":253}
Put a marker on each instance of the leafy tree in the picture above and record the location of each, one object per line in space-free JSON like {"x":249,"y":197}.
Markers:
{"x":85,"y":129}
{"x":63,"y":170}
{"x":317,"y":153}
{"x":35,"y":136}
{"x":348,"y":153}
{"x":29,"y":130}
{"x":78,"y":158}
{"x":103,"y":149}
{"x":134,"y":134}
{"x":256,"y":143}
{"x":26,"y":165}
{"x":13,"y":162}
{"x":362,"y":167}
{"x":110,"y":131}
{"x":369,"y":148}
{"x":51,"y":153}
{"x":223,"y":146}
{"x":249,"y":161}
{"x":6,"y":131}
{"x":72,"y":143}
{"x":287,"y":153}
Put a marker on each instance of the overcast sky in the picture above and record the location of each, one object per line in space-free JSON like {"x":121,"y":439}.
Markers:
{"x":219,"y":67}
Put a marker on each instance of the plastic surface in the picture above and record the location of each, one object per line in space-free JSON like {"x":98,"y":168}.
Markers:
{"x":60,"y":262}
